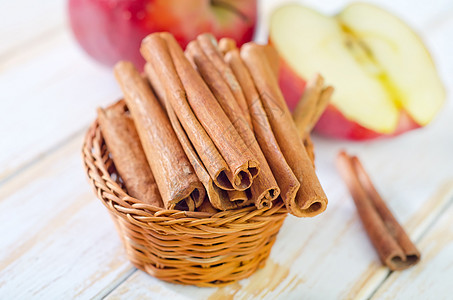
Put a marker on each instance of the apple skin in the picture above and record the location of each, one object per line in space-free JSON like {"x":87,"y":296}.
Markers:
{"x":112,"y":30}
{"x":334,"y":124}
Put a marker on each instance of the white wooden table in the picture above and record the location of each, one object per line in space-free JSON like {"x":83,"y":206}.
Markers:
{"x":57,"y":240}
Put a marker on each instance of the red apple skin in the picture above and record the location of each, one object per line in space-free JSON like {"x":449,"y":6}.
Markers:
{"x":334,"y":124}
{"x":291,"y":84}
{"x":112,"y":30}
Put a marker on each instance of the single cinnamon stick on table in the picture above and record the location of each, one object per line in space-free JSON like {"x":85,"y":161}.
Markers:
{"x":219,"y":198}
{"x":123,"y":143}
{"x":177,"y":182}
{"x":242,"y":163}
{"x":310,"y":199}
{"x":208,"y":44}
{"x":394,"y":247}
{"x":286,"y":180}
{"x":264,"y":188}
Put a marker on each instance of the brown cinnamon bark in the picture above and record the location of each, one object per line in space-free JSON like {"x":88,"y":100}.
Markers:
{"x":177,"y":182}
{"x":219,"y":198}
{"x":122,"y":141}
{"x":305,"y":109}
{"x":310,"y":200}
{"x":272,"y":57}
{"x":286,"y":180}
{"x":264,"y":188}
{"x":156,"y":52}
{"x":208,"y":44}
{"x":211,"y":116}
{"x":394,"y":247}
{"x":324,"y":100}
{"x":227,"y":44}
{"x":207,"y":207}
{"x":239,"y":197}
{"x":314,"y":101}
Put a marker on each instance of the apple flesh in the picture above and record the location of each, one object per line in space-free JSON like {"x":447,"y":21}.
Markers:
{"x":110,"y":31}
{"x":385,"y":81}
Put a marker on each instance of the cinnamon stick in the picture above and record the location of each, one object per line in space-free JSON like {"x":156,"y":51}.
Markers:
{"x":213,"y":119}
{"x":207,"y":207}
{"x":177,"y":182}
{"x":310,"y":149}
{"x":272,"y":57}
{"x":218,"y":198}
{"x":394,"y":247}
{"x":123,"y":143}
{"x":156,"y":52}
{"x":264,"y":188}
{"x":227,"y":44}
{"x":314,"y":101}
{"x":305,"y":109}
{"x":286,"y":180}
{"x":310,"y":200}
{"x":323,"y":101}
{"x":239,"y":197}
{"x":208,"y":44}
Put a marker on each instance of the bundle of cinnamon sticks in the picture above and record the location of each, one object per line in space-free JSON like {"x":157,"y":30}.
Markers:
{"x":208,"y":129}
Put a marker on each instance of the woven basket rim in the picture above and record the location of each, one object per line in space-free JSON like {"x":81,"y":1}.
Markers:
{"x":129,"y":205}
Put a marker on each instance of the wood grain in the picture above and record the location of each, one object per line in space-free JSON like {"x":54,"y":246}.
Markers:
{"x":51,"y":92}
{"x":429,"y":279}
{"x":59,"y":241}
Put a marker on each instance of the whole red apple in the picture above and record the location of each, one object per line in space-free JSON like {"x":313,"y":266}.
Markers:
{"x":112,"y":30}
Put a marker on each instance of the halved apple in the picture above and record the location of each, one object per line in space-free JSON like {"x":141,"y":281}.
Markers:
{"x":384,"y":78}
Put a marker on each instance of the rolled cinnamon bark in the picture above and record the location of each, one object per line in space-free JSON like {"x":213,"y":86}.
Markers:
{"x":156,"y":52}
{"x":305,"y":108}
{"x":314,"y":101}
{"x":264,"y":188}
{"x":219,"y":198}
{"x":310,"y":199}
{"x":210,"y":115}
{"x":272,"y":57}
{"x":208,"y":44}
{"x":123,"y":143}
{"x":310,"y":148}
{"x":394,"y":247}
{"x":226,"y":44}
{"x":324,"y":100}
{"x":286,"y":180}
{"x":207,"y":207}
{"x":177,"y":182}
{"x":239,"y":197}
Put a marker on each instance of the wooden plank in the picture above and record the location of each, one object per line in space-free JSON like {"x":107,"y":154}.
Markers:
{"x":431,"y":278}
{"x":24,"y":22}
{"x":58,"y":241}
{"x":50,"y":92}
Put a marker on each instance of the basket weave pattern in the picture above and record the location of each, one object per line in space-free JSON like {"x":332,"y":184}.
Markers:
{"x":177,"y":246}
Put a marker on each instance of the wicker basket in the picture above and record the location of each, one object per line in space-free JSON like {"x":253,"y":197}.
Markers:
{"x":194,"y":248}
